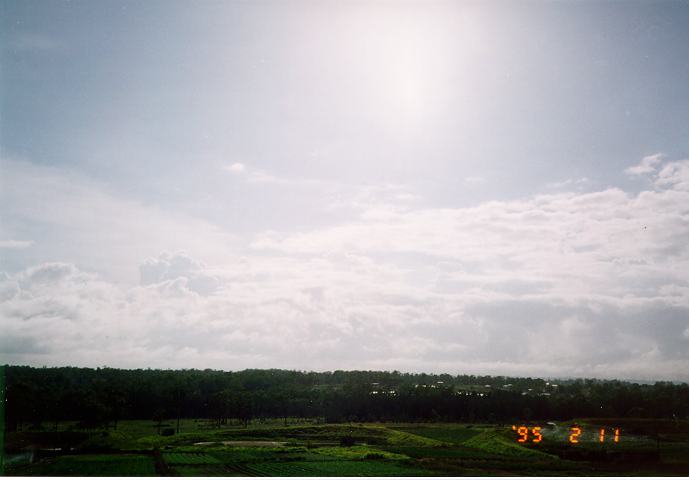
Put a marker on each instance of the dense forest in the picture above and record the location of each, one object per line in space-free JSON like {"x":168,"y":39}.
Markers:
{"x":39,"y":397}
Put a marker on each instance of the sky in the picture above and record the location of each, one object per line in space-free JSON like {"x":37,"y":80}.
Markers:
{"x":461,"y":187}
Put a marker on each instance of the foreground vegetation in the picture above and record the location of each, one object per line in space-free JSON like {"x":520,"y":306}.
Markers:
{"x":306,"y":448}
{"x":280,"y":423}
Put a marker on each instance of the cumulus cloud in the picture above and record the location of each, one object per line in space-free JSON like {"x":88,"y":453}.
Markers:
{"x":340,"y":312}
{"x":674,"y":175}
{"x":647,"y":165}
{"x":49,"y":273}
{"x":671,"y":175}
{"x":580,"y":284}
{"x":178,"y":267}
{"x":588,"y":284}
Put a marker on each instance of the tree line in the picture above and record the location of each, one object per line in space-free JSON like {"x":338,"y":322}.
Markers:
{"x":37,"y":397}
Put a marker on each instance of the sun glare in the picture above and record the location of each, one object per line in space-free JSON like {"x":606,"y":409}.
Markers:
{"x":405,"y":55}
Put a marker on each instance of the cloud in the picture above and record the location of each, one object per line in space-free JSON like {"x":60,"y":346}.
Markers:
{"x":569,"y":283}
{"x":647,"y":165}
{"x":571,"y":184}
{"x":564,"y":284}
{"x":474,"y":180}
{"x":256,"y":176}
{"x":373,"y":199}
{"x":336,"y":195}
{"x":49,"y":273}
{"x":16,"y":243}
{"x":78,"y":217}
{"x":603,"y":275}
{"x":178,"y":267}
{"x":17,"y":344}
{"x":261,"y":177}
{"x":674,"y":175}
{"x":236,"y":168}
{"x":341,"y":312}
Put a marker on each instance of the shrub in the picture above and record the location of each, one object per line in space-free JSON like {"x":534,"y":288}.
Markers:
{"x":374,"y":456}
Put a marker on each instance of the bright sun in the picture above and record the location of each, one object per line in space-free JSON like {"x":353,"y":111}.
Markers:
{"x":404,"y":54}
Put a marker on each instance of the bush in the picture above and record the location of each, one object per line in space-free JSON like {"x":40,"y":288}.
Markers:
{"x":374,"y":456}
{"x":347,"y":441}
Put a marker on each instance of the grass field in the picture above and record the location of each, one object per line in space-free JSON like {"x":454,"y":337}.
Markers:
{"x":441,"y":452}
{"x":375,"y":468}
{"x":187,"y":458}
{"x":453,"y":434}
{"x":308,"y":449}
{"x":89,"y":466}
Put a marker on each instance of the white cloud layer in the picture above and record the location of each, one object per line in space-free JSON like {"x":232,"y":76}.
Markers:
{"x":583,"y":284}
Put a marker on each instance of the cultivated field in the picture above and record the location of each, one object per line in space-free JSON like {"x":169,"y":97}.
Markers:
{"x":306,"y":448}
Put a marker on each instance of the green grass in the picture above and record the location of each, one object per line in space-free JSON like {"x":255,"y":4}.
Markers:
{"x":136,"y":435}
{"x":90,"y":466}
{"x":380,"y":450}
{"x":495,"y":442}
{"x":375,"y":468}
{"x":206,"y":471}
{"x":442,"y":433}
{"x":399,"y":437}
{"x":359,"y":453}
{"x":328,"y":432}
{"x":188,"y":458}
{"x":315,"y":434}
{"x":459,"y":452}
{"x":252,"y":454}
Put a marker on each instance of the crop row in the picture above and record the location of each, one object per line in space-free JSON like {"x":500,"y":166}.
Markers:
{"x":91,"y":465}
{"x":187,"y":458}
{"x":333,"y":468}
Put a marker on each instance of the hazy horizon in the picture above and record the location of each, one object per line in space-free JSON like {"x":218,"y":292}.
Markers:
{"x":489,"y":188}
